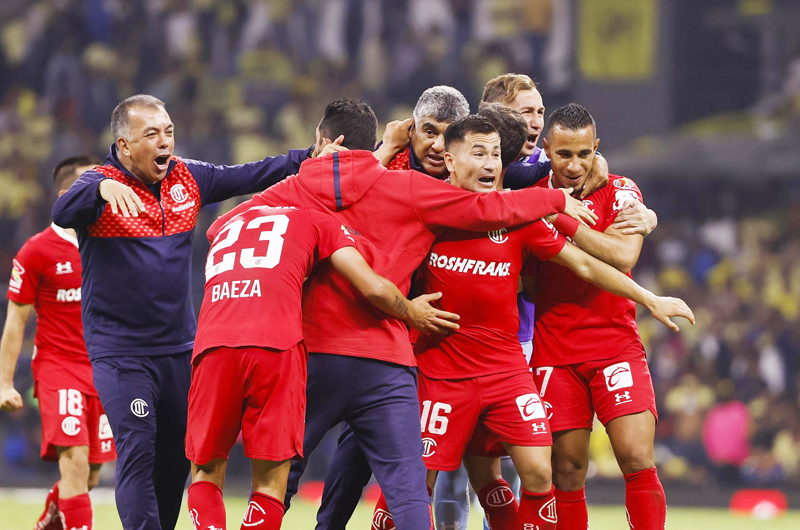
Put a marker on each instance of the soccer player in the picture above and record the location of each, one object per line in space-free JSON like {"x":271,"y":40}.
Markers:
{"x":478,"y":374}
{"x":588,"y":356}
{"x":361,"y":366}
{"x":46,"y":277}
{"x":134,"y":217}
{"x":251,"y":377}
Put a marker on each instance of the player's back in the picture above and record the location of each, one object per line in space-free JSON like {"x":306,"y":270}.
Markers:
{"x":478,"y":275}
{"x":255,"y":270}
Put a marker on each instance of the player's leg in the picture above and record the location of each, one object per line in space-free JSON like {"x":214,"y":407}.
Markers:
{"x":348,"y":474}
{"x":451,"y":500}
{"x":73,"y":488}
{"x":265,"y":510}
{"x":494,"y":493}
{"x":385,"y":418}
{"x":128,"y":388}
{"x":326,"y":396}
{"x":622,"y":391}
{"x":171,"y":465}
{"x":94,"y":475}
{"x":204,"y":499}
{"x":568,"y":400}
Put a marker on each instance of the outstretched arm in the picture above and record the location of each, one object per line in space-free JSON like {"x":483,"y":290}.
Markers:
{"x":385,"y":295}
{"x":10,"y":347}
{"x":602,"y":275}
{"x":395,"y":139}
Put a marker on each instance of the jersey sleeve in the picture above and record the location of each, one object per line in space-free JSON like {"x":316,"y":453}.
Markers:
{"x":81,"y":205}
{"x":621,"y":191}
{"x":331,"y":235}
{"x":543,"y":240}
{"x":25,"y":276}
{"x":521,"y":175}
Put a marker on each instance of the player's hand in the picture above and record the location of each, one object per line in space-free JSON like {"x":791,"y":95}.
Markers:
{"x":333,"y":147}
{"x":427,"y":319}
{"x":577,"y":210}
{"x":664,"y":307}
{"x":598,"y":178}
{"x":635,"y":218}
{"x":10,"y":400}
{"x":396,"y":134}
{"x":121,"y":198}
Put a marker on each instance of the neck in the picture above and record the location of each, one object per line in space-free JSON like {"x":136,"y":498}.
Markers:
{"x":71,"y":232}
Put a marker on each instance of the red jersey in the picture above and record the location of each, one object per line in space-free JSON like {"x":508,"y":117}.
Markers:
{"x":400,"y":213}
{"x":478,"y":275}
{"x":577,"y":322}
{"x":255,"y":270}
{"x":47,"y":274}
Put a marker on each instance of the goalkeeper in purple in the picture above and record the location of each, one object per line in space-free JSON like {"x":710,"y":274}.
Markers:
{"x":135,"y":217}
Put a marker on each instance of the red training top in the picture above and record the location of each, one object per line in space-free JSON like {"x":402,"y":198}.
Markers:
{"x":478,"y":275}
{"x":577,"y":322}
{"x":400,"y":213}
{"x":255,"y":270}
{"x":47,"y":274}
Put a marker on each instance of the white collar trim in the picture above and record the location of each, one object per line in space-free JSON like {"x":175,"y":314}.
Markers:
{"x":63,"y":234}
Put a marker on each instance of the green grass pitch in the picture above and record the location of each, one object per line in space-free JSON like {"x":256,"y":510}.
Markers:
{"x":20,"y":509}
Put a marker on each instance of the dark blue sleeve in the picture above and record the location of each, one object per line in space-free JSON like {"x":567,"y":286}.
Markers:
{"x":81,"y":205}
{"x":218,"y":183}
{"x":521,"y":175}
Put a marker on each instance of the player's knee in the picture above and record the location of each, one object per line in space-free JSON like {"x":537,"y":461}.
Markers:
{"x":74,"y":465}
{"x":636,"y":459}
{"x":569,"y":474}
{"x":537,"y":475}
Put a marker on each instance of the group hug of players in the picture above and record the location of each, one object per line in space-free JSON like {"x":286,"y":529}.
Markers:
{"x":305,"y":320}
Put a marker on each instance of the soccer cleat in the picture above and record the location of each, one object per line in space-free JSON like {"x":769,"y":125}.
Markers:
{"x":50,"y":518}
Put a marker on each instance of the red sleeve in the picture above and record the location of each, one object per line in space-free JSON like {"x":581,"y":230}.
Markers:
{"x":25,"y":276}
{"x":621,"y":191}
{"x":330,"y":234}
{"x":543,"y":240}
{"x":440,"y":204}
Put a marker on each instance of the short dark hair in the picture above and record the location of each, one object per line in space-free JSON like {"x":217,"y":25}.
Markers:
{"x":573,"y":117}
{"x":511,"y":127}
{"x":65,"y":169}
{"x":459,"y":129}
{"x":352,"y":118}
{"x":120,"y":115}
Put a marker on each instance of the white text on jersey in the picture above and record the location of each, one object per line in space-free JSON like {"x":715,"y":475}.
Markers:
{"x":492,"y":268}
{"x":69,"y":295}
{"x":236,"y":289}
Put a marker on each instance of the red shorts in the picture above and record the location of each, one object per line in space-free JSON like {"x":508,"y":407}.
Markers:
{"x":258,"y":391}
{"x":71,"y":418}
{"x":507,"y":404}
{"x":612,"y":387}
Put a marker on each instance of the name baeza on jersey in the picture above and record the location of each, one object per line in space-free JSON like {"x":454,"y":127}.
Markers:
{"x":493,"y":268}
{"x":236,"y":289}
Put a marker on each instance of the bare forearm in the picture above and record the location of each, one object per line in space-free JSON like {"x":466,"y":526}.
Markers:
{"x":385,"y":154}
{"x":10,"y":347}
{"x":388,"y":298}
{"x":607,"y":248}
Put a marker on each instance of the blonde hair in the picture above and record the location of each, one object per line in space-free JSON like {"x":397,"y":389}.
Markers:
{"x":504,"y":88}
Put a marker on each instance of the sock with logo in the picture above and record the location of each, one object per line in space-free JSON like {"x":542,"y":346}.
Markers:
{"x":500,"y":505}
{"x":50,"y":520}
{"x":206,"y":507}
{"x":645,"y":500}
{"x":537,"y":510}
{"x":382,"y":518}
{"x":76,"y":512}
{"x":571,"y":510}
{"x":263,"y":513}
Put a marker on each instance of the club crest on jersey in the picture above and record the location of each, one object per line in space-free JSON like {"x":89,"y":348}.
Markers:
{"x":178,"y":193}
{"x":64,"y":268}
{"x":618,"y":376}
{"x":624,"y":184}
{"x":623,"y":198}
{"x":139,"y":408}
{"x":428,"y":447}
{"x":71,"y":425}
{"x":498,"y":236}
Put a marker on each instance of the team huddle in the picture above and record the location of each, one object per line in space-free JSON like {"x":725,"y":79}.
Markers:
{"x":521,"y":325}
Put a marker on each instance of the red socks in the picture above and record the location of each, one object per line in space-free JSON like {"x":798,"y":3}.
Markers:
{"x":500,"y":505}
{"x":382,"y":518}
{"x":645,"y":501}
{"x":263,"y":513}
{"x":206,"y":508}
{"x":571,"y":509}
{"x":50,"y":520}
{"x":76,"y":512}
{"x":537,"y":511}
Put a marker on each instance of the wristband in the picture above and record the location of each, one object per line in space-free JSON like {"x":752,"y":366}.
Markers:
{"x":566,"y":225}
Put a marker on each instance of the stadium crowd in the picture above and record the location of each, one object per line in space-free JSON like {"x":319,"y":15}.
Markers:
{"x":248,"y":79}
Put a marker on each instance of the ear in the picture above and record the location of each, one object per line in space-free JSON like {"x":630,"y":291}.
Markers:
{"x":596,"y":143}
{"x":449,"y":162}
{"x":412,"y":129}
{"x":546,"y":146}
{"x":122,"y":146}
